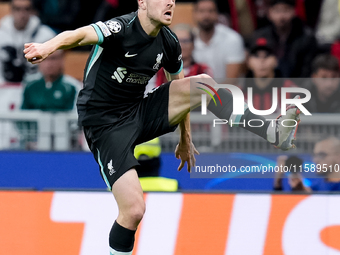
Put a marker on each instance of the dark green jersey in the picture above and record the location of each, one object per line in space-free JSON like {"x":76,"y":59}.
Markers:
{"x":57,"y":96}
{"x":120,"y":66}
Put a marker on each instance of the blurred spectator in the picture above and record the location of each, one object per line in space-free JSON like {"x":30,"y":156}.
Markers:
{"x":263,"y":75}
{"x":216,"y":45}
{"x":262,"y":6}
{"x":51,"y":90}
{"x":248,"y":15}
{"x":243,"y":15}
{"x":328,"y":25}
{"x":327,"y":162}
{"x":17,"y":29}
{"x":295,"y":179}
{"x":324,"y":85}
{"x":190,"y":67}
{"x":295,"y":45}
{"x":323,"y":17}
{"x":327,"y":157}
{"x":58,"y":14}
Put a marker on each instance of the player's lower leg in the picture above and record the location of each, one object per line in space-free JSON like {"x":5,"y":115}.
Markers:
{"x":129,"y":196}
{"x":122,"y":234}
{"x":280,"y":134}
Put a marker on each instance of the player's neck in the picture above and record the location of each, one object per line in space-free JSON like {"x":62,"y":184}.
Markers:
{"x":149,"y":26}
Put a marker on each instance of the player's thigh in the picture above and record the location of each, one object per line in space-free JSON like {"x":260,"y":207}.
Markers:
{"x":179,"y":100}
{"x":185,"y":96}
{"x":129,"y":194}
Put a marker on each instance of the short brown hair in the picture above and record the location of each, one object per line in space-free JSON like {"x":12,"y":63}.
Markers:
{"x":325,"y":61}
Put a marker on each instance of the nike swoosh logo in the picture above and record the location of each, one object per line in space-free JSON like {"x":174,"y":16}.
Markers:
{"x":130,"y":56}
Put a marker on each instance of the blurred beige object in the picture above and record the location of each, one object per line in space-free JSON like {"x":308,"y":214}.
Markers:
{"x":183,"y":14}
{"x":75,"y":62}
{"x":328,"y":27}
{"x":245,"y":21}
{"x":4,"y":9}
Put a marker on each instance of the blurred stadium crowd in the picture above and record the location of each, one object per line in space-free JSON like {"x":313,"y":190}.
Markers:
{"x":251,"y":43}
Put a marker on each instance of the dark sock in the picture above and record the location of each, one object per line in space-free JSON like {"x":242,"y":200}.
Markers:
{"x":121,"y":239}
{"x":225,"y":110}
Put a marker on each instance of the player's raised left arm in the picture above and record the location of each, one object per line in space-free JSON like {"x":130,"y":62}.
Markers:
{"x":37,"y":52}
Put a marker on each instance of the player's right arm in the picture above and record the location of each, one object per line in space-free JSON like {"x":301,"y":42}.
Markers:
{"x":37,"y":52}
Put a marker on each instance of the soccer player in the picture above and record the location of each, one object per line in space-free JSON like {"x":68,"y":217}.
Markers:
{"x":128,"y":51}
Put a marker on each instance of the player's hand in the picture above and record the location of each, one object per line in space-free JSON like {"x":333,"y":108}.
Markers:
{"x":186,"y":153}
{"x":35,"y":52}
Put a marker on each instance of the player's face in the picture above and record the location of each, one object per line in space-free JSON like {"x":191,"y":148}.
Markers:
{"x":160,"y":11}
{"x":325,"y":153}
{"x":206,"y":15}
{"x":21,"y":11}
{"x":281,"y":15}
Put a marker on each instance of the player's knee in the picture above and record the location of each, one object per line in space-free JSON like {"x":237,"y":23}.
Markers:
{"x":188,"y":88}
{"x":136,"y":212}
{"x":201,"y":78}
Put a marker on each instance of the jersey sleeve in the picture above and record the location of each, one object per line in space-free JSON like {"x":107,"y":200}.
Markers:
{"x":174,"y":64}
{"x":108,"y":30}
